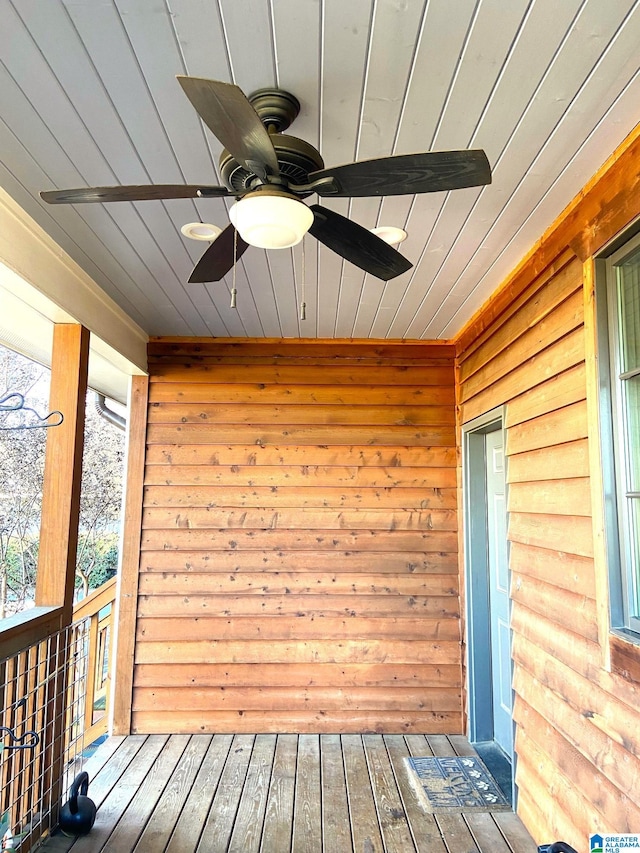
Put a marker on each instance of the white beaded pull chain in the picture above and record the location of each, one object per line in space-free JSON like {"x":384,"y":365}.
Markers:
{"x":303,"y":304}
{"x":235,"y":260}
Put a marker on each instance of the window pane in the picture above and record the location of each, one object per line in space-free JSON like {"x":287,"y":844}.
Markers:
{"x":631,"y":403}
{"x":629,"y":306}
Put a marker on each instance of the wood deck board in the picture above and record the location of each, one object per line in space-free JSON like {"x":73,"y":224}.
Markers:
{"x":221,"y":820}
{"x":362,"y":808}
{"x":278,"y":820}
{"x":193,"y":816}
{"x":307,"y":821}
{"x":335,"y":807}
{"x":157,"y":833}
{"x":273,"y":793}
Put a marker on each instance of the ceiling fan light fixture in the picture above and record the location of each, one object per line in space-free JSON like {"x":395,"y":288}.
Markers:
{"x":201,"y":231}
{"x":271,"y":220}
{"x":390,"y":234}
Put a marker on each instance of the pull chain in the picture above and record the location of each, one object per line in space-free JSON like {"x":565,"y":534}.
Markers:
{"x":235,"y":260}
{"x":303,"y":304}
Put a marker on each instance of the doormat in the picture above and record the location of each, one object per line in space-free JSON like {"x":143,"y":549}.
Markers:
{"x":455,"y":784}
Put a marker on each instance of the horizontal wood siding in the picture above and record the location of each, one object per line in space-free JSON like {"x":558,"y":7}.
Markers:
{"x":577,"y":724}
{"x":299,"y":566}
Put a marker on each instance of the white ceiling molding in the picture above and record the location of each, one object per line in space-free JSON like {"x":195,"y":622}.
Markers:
{"x":27,"y":319}
{"x":38,"y":261}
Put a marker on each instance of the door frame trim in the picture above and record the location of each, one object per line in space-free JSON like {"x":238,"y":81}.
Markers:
{"x":478,"y":632}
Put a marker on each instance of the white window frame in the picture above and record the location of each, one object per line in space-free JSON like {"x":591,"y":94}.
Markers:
{"x":622,"y":534}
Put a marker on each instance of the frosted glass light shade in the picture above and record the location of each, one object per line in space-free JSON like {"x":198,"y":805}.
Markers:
{"x":271,"y":221}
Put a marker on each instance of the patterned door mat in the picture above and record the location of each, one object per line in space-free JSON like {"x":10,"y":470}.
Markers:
{"x":455,"y":784}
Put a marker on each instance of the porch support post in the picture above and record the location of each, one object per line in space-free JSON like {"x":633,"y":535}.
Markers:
{"x":127,"y":595}
{"x":55,"y":578}
{"x":63,"y":470}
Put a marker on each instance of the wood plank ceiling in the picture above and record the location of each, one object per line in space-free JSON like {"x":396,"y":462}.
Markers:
{"x":88,"y":97}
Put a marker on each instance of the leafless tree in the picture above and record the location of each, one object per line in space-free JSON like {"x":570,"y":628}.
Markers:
{"x":22,"y":453}
{"x":21,"y":473}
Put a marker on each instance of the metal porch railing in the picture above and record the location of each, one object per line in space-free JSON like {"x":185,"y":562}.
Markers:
{"x":55,"y":703}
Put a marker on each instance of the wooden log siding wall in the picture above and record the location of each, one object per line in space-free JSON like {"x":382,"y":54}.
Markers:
{"x":577,"y":724}
{"x":299,"y":549}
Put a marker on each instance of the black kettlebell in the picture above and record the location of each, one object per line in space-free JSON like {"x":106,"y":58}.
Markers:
{"x":79,"y":814}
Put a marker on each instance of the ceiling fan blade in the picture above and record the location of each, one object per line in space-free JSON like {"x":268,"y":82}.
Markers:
{"x":406,"y":174}
{"x":356,"y":244}
{"x":152,"y":193}
{"x":226,"y":111}
{"x":219,"y":257}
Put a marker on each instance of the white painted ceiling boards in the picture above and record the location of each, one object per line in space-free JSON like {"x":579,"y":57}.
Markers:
{"x":88,"y":97}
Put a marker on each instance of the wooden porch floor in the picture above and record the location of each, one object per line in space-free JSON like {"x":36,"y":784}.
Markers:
{"x":277,"y":793}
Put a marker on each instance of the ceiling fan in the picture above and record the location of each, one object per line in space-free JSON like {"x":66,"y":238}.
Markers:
{"x":269,"y":173}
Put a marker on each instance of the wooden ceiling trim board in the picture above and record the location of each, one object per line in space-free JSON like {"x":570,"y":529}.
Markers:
{"x":419,"y":293}
{"x":280,"y":266}
{"x":297,"y":62}
{"x":441,"y":42}
{"x":477,"y":223}
{"x":256,"y":268}
{"x":456,"y":130}
{"x":371,"y":297}
{"x":314,"y":284}
{"x":199,"y":32}
{"x":52,"y":31}
{"x":483,"y":57}
{"x":157,"y":230}
{"x":297,"y":32}
{"x":242,"y":320}
{"x":385,"y":85}
{"x":350,"y":298}
{"x":163,"y":220}
{"x":248,"y":33}
{"x":424,"y":213}
{"x":531,"y":185}
{"x":36,"y":259}
{"x":187,"y":160}
{"x":202,"y":299}
{"x":330,"y":280}
{"x":156,"y":44}
{"x":344,"y":51}
{"x":619,"y":119}
{"x":101,"y":265}
{"x":385,"y":95}
{"x":580,"y":213}
{"x":514,"y":90}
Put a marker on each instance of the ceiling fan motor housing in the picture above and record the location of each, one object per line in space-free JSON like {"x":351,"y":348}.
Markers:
{"x":296,"y":158}
{"x":276,"y":109}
